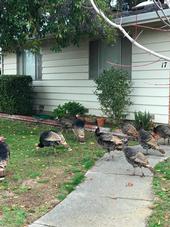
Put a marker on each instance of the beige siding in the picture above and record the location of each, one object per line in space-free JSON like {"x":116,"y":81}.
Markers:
{"x":65,"y":77}
{"x":10,"y":64}
{"x":151,"y":76}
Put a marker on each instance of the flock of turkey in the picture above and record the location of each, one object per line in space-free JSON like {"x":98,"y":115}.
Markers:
{"x":148,"y":140}
{"x":111,"y":141}
{"x":108,"y":140}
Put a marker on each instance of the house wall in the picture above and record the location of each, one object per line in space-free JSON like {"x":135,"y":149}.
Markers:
{"x":150,"y":78}
{"x":65,"y":77}
{"x":10,"y":64}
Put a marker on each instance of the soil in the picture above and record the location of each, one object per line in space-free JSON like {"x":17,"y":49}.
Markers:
{"x":40,"y":194}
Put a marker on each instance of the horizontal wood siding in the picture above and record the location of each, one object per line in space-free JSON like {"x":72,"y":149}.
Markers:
{"x":65,"y":77}
{"x":150,"y":77}
{"x":10,"y":64}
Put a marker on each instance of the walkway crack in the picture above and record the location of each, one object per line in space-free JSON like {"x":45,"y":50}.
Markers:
{"x":127,"y":198}
{"x":44,"y":224}
{"x":126,"y":174}
{"x":121,"y":174}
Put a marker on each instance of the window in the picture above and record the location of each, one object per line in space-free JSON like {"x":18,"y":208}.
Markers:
{"x":29,"y":63}
{"x":1,"y":64}
{"x":94,"y":59}
{"x":102,"y":54}
{"x":126,"y":55}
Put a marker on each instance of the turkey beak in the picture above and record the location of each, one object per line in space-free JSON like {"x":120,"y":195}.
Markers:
{"x":67,"y":146}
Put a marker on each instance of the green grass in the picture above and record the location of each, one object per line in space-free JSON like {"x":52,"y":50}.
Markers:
{"x":11,"y":214}
{"x":38,"y":180}
{"x":161,"y":186}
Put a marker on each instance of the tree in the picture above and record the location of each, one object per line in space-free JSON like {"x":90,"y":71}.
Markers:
{"x":25,"y":23}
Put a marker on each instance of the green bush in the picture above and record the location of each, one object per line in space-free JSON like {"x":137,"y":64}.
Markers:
{"x":69,"y":109}
{"x":113,"y":89}
{"x":16,"y":94}
{"x":143,"y":120}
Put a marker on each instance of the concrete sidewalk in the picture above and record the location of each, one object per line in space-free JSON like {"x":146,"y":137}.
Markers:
{"x":109,"y":197}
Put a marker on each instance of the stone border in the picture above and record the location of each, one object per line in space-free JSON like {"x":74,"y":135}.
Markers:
{"x":41,"y":121}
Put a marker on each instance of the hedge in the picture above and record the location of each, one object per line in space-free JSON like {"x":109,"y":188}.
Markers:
{"x":16,"y":96}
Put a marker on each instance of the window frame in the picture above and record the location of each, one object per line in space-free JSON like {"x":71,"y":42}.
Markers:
{"x":1,"y":64}
{"x":100,"y":56}
{"x":21,"y":64}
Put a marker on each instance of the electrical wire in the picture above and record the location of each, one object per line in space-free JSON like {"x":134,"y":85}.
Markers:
{"x":135,"y":66}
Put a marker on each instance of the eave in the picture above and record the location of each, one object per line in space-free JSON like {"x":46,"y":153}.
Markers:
{"x":142,"y":18}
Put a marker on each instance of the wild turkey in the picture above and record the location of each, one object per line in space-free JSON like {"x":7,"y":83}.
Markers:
{"x":130,"y":130}
{"x":65,"y":123}
{"x":162,"y":131}
{"x":147,"y":141}
{"x":76,"y":124}
{"x":4,"y":156}
{"x":78,"y":128}
{"x":51,"y":138}
{"x":108,"y":141}
{"x":137,"y":159}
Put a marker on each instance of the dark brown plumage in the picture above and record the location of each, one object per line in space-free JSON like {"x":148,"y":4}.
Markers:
{"x":65,"y":123}
{"x":130,"y":130}
{"x":4,"y":156}
{"x":79,"y":128}
{"x":137,"y":159}
{"x":162,"y":131}
{"x":147,"y":141}
{"x":77,"y":125}
{"x":108,"y":141}
{"x":51,"y":138}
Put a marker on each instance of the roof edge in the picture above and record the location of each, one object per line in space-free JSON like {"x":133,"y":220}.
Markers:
{"x":142,"y":18}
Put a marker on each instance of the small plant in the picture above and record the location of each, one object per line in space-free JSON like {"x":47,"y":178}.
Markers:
{"x":59,"y":112}
{"x":143,"y":120}
{"x":69,"y":109}
{"x":113,"y":89}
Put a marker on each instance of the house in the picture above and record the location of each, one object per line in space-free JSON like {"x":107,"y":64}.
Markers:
{"x":68,"y":75}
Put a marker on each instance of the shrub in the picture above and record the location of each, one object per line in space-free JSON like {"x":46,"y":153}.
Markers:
{"x":143,"y":120}
{"x":113,"y":89}
{"x":16,"y":94}
{"x":69,"y":109}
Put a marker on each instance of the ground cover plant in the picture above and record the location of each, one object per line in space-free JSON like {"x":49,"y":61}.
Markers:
{"x":161,"y":186}
{"x":36,"y":181}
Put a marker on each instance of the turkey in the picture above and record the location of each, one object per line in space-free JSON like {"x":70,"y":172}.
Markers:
{"x":130,"y":130}
{"x":78,"y":128}
{"x":108,"y":141}
{"x":147,"y":141}
{"x":76,"y":124}
{"x":137,"y":159}
{"x":4,"y":156}
{"x":162,"y":131}
{"x":65,"y":123}
{"x":51,"y":138}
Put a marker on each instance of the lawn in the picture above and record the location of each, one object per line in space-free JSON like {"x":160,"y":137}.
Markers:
{"x":161,"y":186}
{"x":36,"y":181}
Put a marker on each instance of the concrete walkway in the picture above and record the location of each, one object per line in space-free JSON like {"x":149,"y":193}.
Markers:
{"x":109,"y":197}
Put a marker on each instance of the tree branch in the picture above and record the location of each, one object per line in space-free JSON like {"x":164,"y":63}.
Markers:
{"x":119,"y":27}
{"x":158,"y":4}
